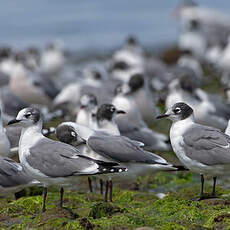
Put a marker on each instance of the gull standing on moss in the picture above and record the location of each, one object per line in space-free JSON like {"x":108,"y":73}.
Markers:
{"x":202,"y":149}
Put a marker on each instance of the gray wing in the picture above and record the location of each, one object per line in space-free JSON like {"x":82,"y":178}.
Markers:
{"x":122,"y":149}
{"x":152,"y":140}
{"x":12,"y":173}
{"x":125,"y":126}
{"x":57,"y":159}
{"x":207,"y":145}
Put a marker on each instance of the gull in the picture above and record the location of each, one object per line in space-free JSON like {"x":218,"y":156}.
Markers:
{"x":106,"y":122}
{"x":132,"y":125}
{"x":119,"y":149}
{"x":13,"y":177}
{"x":201,"y":149}
{"x":190,"y":63}
{"x":52,"y":59}
{"x":52,"y":162}
{"x":88,"y":104}
{"x":126,"y":60}
{"x":123,"y":101}
{"x":138,"y":90}
{"x":193,"y":39}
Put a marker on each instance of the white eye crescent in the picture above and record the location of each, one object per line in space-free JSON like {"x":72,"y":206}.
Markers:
{"x":177,"y":110}
{"x":73,"y":134}
{"x":28,"y":115}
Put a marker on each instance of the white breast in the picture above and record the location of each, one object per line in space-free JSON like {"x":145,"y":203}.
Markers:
{"x":176,"y":137}
{"x":83,"y":117}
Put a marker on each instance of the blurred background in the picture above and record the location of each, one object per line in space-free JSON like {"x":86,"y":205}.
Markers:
{"x":91,"y":25}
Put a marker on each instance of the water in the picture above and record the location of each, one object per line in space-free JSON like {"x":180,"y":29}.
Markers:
{"x":90,"y":24}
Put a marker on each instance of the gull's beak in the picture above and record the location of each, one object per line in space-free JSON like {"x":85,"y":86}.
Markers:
{"x":162,"y":116}
{"x":121,"y":112}
{"x":14,"y":121}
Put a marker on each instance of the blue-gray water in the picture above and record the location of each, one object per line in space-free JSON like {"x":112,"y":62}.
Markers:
{"x":90,"y":24}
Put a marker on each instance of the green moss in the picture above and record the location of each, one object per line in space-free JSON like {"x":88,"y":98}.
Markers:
{"x":27,"y":205}
{"x":131,"y":209}
{"x":104,"y":210}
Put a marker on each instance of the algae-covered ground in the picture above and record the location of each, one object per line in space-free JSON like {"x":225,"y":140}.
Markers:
{"x":160,"y":201}
{"x":137,"y":207}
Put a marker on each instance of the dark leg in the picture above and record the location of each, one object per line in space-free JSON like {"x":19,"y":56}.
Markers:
{"x":214,"y":186}
{"x":44,"y":199}
{"x":95,"y":183}
{"x":101,"y":186}
{"x":61,"y":197}
{"x":106,"y":191}
{"x":111,"y":190}
{"x":202,"y":185}
{"x":90,"y":184}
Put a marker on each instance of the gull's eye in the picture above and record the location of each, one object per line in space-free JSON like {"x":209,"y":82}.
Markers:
{"x":177,"y":110}
{"x":27,"y":115}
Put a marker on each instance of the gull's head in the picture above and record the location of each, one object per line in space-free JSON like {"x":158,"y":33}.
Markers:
{"x":177,"y":112}
{"x":132,"y":40}
{"x":107,"y":112}
{"x":73,"y":132}
{"x":27,"y":117}
{"x":67,"y":134}
{"x":136,"y":82}
{"x":88,"y":101}
{"x":94,"y":72}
